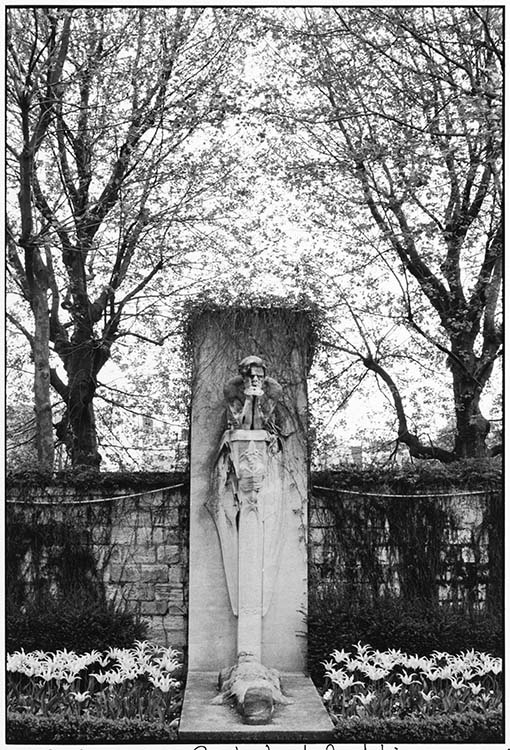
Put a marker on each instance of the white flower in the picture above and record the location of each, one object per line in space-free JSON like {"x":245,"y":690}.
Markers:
{"x":100,"y":678}
{"x":393,"y":688}
{"x":329,"y":666}
{"x":432,"y":674}
{"x":163,"y":682}
{"x":407,"y":679}
{"x":457,"y":684}
{"x":81,"y":697}
{"x":395,"y":655}
{"x":343,"y":680}
{"x":114,"y":678}
{"x":440,"y":655}
{"x":145,"y":646}
{"x":353,"y":664}
{"x":476,"y":689}
{"x":374,"y":673}
{"x":93,"y":656}
{"x":496,"y":666}
{"x":363,"y":651}
{"x":327,"y":695}
{"x":367,"y":699}
{"x":340,"y":655}
{"x":47,"y":674}
{"x":414,"y":662}
{"x":428,"y":697}
{"x":129,"y":673}
{"x":446,"y":673}
{"x":468,"y":674}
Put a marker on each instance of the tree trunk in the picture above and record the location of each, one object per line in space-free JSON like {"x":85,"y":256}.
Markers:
{"x":41,"y":354}
{"x":80,"y":408}
{"x":471,"y":426}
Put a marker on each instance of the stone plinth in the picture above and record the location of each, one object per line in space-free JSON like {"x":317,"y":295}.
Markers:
{"x":304,"y":720}
{"x":221,"y":339}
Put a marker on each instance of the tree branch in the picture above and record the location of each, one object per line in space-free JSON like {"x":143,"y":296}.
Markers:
{"x":21,"y":328}
{"x":417,"y":449}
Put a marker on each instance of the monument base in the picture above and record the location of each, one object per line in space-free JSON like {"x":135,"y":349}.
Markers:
{"x":303,"y":720}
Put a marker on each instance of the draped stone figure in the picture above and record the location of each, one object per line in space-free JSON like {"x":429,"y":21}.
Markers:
{"x":247,"y":504}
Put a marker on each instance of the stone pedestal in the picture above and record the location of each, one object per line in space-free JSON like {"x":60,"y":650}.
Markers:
{"x":305,"y":720}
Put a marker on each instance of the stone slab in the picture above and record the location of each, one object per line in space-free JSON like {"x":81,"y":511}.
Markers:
{"x":305,"y":720}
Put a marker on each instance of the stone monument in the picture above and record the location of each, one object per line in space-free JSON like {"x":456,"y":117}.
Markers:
{"x":248,"y":520}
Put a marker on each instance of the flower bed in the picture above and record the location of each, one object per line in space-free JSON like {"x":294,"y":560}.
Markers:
{"x":137,"y":683}
{"x":402,"y":695}
{"x":134,"y":695}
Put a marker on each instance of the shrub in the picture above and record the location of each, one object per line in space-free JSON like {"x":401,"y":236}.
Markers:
{"x":76,"y":623}
{"x":470,"y":726}
{"x":27,"y":728}
{"x":416,"y":627}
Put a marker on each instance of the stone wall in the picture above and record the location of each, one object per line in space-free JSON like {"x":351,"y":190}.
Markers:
{"x":138,"y":543}
{"x":451,"y":544}
{"x":448,"y":545}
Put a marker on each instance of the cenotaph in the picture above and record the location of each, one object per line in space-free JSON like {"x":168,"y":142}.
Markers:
{"x":248,"y":521}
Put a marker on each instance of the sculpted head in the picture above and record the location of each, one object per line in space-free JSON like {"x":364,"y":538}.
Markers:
{"x":253,"y":371}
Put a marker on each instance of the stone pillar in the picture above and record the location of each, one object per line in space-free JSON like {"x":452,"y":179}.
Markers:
{"x":221,"y":339}
{"x":250,"y":566}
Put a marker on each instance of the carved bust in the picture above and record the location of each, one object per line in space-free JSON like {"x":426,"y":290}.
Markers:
{"x":251,"y":397}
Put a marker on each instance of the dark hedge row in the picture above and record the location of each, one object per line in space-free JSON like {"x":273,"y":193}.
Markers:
{"x":90,"y":481}
{"x":470,"y":726}
{"x":26,"y":728}
{"x":414,"y":627}
{"x":77,"y":624}
{"x":467,"y":727}
{"x":420,"y":478}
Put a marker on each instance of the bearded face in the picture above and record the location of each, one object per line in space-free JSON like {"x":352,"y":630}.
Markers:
{"x":253,"y":381}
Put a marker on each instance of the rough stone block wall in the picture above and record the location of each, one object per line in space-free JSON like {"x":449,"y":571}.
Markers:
{"x":144,"y":562}
{"x":449,"y":544}
{"x":139,"y":544}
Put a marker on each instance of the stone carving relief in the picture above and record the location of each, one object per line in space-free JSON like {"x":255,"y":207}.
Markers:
{"x":248,"y":508}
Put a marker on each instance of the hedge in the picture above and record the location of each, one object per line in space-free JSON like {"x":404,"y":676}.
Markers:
{"x":27,"y":728}
{"x":422,"y":477}
{"x":88,"y":480}
{"x":470,"y":726}
{"x":74,"y":624}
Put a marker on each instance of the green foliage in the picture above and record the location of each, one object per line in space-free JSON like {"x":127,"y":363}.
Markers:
{"x":90,"y":481}
{"x":236,"y":316}
{"x":469,"y":726}
{"x":26,"y":728}
{"x":468,"y":474}
{"x":414,"y":626}
{"x":77,"y":623}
